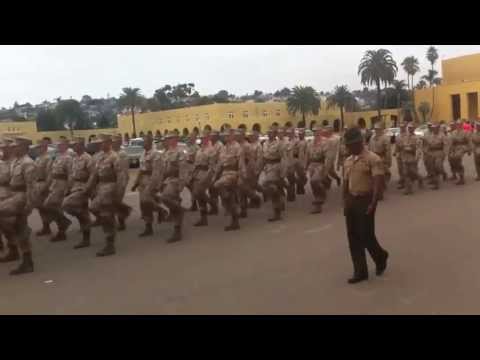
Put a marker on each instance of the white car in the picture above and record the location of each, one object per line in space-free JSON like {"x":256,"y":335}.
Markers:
{"x":421,"y":130}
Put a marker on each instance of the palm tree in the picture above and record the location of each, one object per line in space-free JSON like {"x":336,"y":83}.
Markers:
{"x":341,"y":98}
{"x":432,"y":55}
{"x":430,"y":78}
{"x":398,"y":88}
{"x":424,"y":109}
{"x":422,"y":84}
{"x":303,"y":100}
{"x":377,"y":67}
{"x":131,"y":98}
{"x":411,"y":66}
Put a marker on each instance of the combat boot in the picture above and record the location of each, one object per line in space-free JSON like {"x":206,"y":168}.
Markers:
{"x":12,"y":255}
{"x":290,"y":196}
{"x":203,"y":219}
{"x":357,"y":278}
{"x":453,"y":177}
{"x":176,"y":236}
{"x":461,"y":180}
{"x":109,"y":248}
{"x":276,"y":216}
{"x":45,"y":230}
{"x":255,"y":203}
{"x":26,"y":266}
{"x":234,"y":225}
{"x":85,"y":241}
{"x":420,"y":183}
{"x":96,"y":223}
{"x":317,"y":209}
{"x":148,"y":230}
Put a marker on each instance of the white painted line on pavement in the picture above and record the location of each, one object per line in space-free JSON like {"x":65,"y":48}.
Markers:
{"x":318,"y":229}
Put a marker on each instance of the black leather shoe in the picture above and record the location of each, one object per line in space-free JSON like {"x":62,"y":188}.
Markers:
{"x":382,"y":266}
{"x":357,"y":279}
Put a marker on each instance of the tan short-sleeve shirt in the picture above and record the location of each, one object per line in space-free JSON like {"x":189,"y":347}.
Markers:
{"x":360,"y":171}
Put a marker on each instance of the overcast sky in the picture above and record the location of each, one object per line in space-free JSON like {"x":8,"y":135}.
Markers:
{"x":36,"y":73}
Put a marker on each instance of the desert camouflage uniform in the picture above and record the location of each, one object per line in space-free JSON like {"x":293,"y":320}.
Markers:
{"x":380,"y":145}
{"x":411,"y":148}
{"x":460,"y":144}
{"x":273,"y":162}
{"x":43,"y":165}
{"x":57,"y":183}
{"x":6,"y":227}
{"x":476,"y":151}
{"x":398,"y":155}
{"x":318,"y":172}
{"x":212,"y":191}
{"x":436,"y":147}
{"x":247,"y":183}
{"x":123,"y":210}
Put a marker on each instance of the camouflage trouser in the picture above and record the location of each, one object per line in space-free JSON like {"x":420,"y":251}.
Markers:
{"x":13,"y":221}
{"x":437,"y":166}
{"x":410,"y":169}
{"x":123,"y":210}
{"x":428,"y":163}
{"x":476,"y":158}
{"x":76,"y":204}
{"x":273,"y":185}
{"x":296,"y":176}
{"x":147,"y":204}
{"x":6,"y":223}
{"x":39,"y":195}
{"x":456,"y":160}
{"x":170,"y":196}
{"x":200,"y":184}
{"x":103,"y":206}
{"x":246,"y":188}
{"x":319,"y":182}
{"x":401,"y":172}
{"x":53,"y":204}
{"x":226,"y":186}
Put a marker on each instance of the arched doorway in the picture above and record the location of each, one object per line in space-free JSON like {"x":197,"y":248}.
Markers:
{"x":150,"y":133}
{"x":165,"y":132}
{"x":185,"y":132}
{"x":242,"y":126}
{"x":176,"y":131}
{"x":301,"y":124}
{"x":142,"y":134}
{"x":312,"y":124}
{"x":257,"y":127}
{"x":336,"y":125}
{"x":288,"y":124}
{"x":207,"y":128}
{"x":325,"y":123}
{"x":275,"y":124}
{"x":196,"y":131}
{"x":225,"y":126}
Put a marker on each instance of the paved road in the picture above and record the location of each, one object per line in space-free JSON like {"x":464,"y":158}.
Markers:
{"x":298,"y":266}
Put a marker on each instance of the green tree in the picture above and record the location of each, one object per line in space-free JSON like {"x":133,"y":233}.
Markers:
{"x":285,"y":92}
{"x":432,"y":56}
{"x":377,"y":67}
{"x":398,"y":87}
{"x":303,"y":100}
{"x":131,"y":98}
{"x":422,"y":84}
{"x":411,"y":66}
{"x":424,"y":110}
{"x":341,"y":98}
{"x":69,"y":113}
{"x":222,"y":97}
{"x":46,"y":121}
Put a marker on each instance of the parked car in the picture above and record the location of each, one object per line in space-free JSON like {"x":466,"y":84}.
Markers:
{"x":134,"y":150}
{"x":51,"y":151}
{"x":421,"y":130}
{"x":392,"y":133}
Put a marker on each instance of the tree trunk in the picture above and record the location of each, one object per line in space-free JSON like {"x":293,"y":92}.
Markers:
{"x":341,"y":118}
{"x":303,"y":119}
{"x":414,"y":111}
{"x":433,"y":103}
{"x":133,"y":121}
{"x":379,"y":93}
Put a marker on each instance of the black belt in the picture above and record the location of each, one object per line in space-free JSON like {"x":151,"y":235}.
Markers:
{"x":19,"y":188}
{"x":201,"y":167}
{"x":318,"y":161}
{"x":230,"y":168}
{"x":275,"y":161}
{"x":145,"y":172}
{"x":60,"y":177}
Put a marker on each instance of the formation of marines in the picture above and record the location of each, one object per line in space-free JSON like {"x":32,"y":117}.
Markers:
{"x":233,"y":167}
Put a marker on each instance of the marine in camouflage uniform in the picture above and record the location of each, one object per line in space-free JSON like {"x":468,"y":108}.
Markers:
{"x":342,"y":153}
{"x":230,"y":166}
{"x":332,"y":143}
{"x":212,"y":191}
{"x":273,"y":162}
{"x":460,"y":144}
{"x":191,"y":150}
{"x":299,"y":158}
{"x":435,"y":145}
{"x":98,"y":153}
{"x":289,"y":144}
{"x":427,"y":158}
{"x":5,"y":193}
{"x":411,"y":149}
{"x":43,"y":164}
{"x":106,"y":182}
{"x":149,"y":164}
{"x":123,"y":210}
{"x":397,"y":153}
{"x":172,"y":182}
{"x":257,"y":154}
{"x":15,"y":209}
{"x":380,"y":144}
{"x":315,"y":163}
{"x":247,"y":183}
{"x":76,"y":202}
{"x":476,"y":148}
{"x":202,"y":176}
{"x":57,"y":183}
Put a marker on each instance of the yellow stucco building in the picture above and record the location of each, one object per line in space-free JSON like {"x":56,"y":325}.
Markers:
{"x":249,"y":114}
{"x":457,"y":97}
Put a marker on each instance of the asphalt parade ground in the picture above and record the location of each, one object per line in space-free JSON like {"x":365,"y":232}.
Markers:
{"x":297,"y":266}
